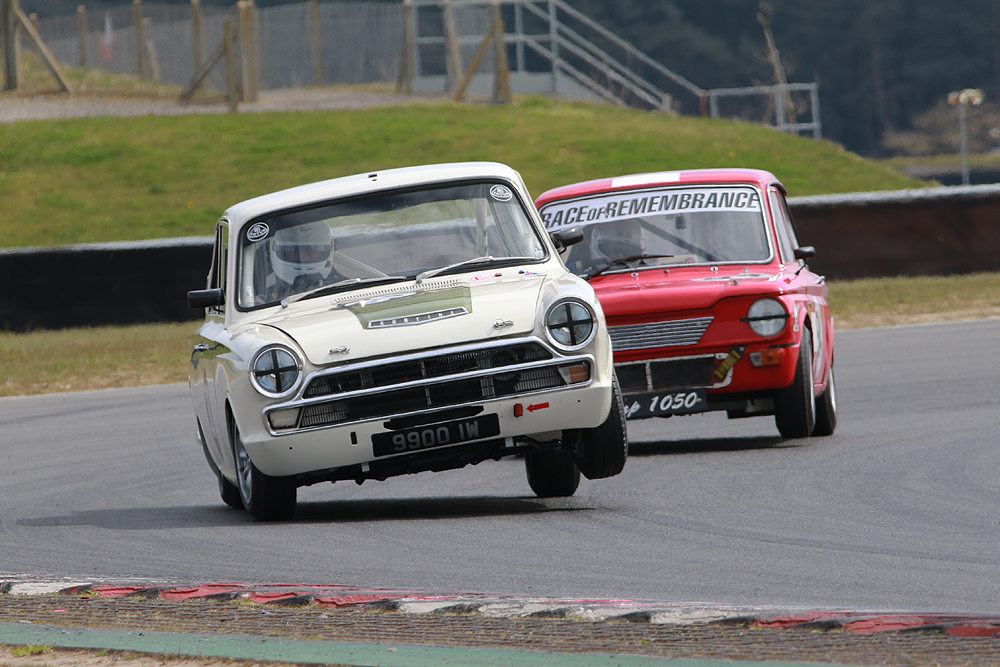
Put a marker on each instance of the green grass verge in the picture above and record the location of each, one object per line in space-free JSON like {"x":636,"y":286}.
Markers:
{"x":98,"y":358}
{"x":115,"y":179}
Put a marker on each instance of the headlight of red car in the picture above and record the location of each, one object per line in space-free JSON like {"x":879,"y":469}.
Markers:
{"x":767,"y":317}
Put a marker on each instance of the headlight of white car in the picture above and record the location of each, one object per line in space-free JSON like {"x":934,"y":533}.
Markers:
{"x":767,"y":317}
{"x":570,"y":324}
{"x":275,"y":371}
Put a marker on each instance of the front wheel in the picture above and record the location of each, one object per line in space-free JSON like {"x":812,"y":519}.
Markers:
{"x":551,"y":472}
{"x":826,"y":409}
{"x":795,"y":406}
{"x":602,"y":450}
{"x":265,"y":498}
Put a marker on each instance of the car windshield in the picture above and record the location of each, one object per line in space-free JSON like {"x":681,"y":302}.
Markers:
{"x":385,"y":237}
{"x":665,"y":226}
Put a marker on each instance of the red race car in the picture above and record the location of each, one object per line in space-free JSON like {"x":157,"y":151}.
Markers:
{"x":708,"y":298}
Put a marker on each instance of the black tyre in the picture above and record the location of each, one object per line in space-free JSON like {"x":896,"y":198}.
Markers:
{"x":795,"y":406}
{"x":230,"y":492}
{"x":265,"y":498}
{"x":602,"y":451}
{"x":551,"y":472}
{"x":826,"y":409}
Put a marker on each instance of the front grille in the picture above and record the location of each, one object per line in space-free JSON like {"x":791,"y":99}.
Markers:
{"x":425,"y":368}
{"x":666,"y":374}
{"x":658,"y":334}
{"x":439,"y":395}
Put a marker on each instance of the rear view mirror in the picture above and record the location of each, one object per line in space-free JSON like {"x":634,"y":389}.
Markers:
{"x":206,"y":298}
{"x":564,"y":238}
{"x":805,"y":252}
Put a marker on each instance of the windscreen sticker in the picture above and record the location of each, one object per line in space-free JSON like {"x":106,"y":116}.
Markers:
{"x":258,"y":231}
{"x":624,"y":205}
{"x":501,"y":193}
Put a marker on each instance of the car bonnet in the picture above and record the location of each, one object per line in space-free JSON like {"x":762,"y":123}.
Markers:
{"x":401,"y":319}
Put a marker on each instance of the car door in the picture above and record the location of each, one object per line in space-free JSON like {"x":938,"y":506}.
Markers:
{"x":205,"y":355}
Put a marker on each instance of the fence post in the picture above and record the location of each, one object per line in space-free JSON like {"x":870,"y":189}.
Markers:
{"x":7,"y":23}
{"x":249,"y":50}
{"x":154,"y":59}
{"x":140,"y":65}
{"x":554,"y":46}
{"x":407,"y":59}
{"x":197,"y":35}
{"x":453,"y":60}
{"x":501,"y":75}
{"x":81,"y":33}
{"x":317,"y":43}
{"x":227,"y":45}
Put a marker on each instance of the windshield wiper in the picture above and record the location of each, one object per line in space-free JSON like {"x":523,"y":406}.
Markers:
{"x":485,"y":259}
{"x":334,"y":287}
{"x":598,"y":270}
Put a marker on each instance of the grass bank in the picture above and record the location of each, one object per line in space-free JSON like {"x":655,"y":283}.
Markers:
{"x":99,"y":358}
{"x":115,"y":179}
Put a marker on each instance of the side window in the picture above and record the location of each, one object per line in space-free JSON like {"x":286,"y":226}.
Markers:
{"x":220,"y":259}
{"x":787,"y":243}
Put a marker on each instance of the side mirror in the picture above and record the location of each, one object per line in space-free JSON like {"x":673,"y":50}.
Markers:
{"x":805,"y":252}
{"x":206,"y":298}
{"x":564,"y":238}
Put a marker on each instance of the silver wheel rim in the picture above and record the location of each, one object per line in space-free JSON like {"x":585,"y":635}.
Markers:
{"x":243,"y":469}
{"x":832,"y":388}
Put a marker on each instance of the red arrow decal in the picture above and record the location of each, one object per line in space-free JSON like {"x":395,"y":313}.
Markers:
{"x":539,"y":406}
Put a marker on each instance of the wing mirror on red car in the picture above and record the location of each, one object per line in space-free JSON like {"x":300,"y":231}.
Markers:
{"x":564,"y":238}
{"x":805,"y":252}
{"x":206,"y":298}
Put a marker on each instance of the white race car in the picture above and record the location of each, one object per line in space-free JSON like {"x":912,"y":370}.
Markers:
{"x":395,"y":322}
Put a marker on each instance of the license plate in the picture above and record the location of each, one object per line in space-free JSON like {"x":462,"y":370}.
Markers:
{"x":435,"y":435}
{"x":664,"y":404}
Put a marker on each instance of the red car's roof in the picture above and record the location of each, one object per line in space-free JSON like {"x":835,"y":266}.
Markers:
{"x":687,"y":176}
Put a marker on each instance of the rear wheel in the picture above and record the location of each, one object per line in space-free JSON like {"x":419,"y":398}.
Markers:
{"x":826,"y":409}
{"x":551,"y":472}
{"x":795,"y":406}
{"x":602,"y":451}
{"x":265,"y":498}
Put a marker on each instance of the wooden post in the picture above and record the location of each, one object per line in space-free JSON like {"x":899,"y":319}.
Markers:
{"x":474,"y":65}
{"x":317,"y":43}
{"x":408,"y":58}
{"x":454,"y":53}
{"x":7,"y":23}
{"x":197,"y":36}
{"x":81,"y":33}
{"x":47,"y":57}
{"x":249,"y":50}
{"x":501,"y":76}
{"x":227,"y":42}
{"x":140,"y":46}
{"x":151,"y":55}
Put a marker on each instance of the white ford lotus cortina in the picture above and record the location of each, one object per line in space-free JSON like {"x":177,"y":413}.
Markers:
{"x":396,"y":322}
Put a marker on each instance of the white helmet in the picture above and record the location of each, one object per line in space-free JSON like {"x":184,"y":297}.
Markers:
{"x":304,"y":252}
{"x":616,"y":240}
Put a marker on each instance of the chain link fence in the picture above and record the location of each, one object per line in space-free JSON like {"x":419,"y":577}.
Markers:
{"x":359,"y":42}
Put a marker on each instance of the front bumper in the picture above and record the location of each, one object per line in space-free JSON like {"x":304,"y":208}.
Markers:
{"x":333,"y":419}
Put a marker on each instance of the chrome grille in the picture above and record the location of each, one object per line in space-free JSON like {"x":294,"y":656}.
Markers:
{"x":425,"y":368}
{"x":658,"y":334}
{"x":426,"y":397}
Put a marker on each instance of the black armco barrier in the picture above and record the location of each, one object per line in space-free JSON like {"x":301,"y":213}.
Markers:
{"x":102,"y":283}
{"x":934,"y":231}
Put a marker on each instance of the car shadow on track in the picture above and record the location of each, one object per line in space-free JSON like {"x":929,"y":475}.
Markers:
{"x":706,"y":445}
{"x":340,"y":511}
{"x":407,"y":509}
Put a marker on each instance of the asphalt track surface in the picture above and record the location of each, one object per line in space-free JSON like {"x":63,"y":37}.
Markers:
{"x":899,"y":510}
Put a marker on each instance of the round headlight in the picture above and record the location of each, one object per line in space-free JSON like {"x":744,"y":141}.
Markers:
{"x":275,"y":371}
{"x":767,"y":317}
{"x":570,"y":324}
